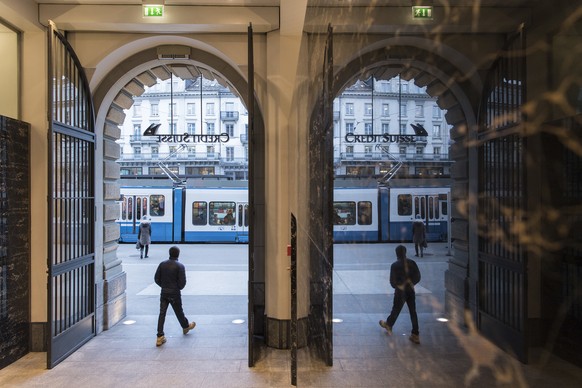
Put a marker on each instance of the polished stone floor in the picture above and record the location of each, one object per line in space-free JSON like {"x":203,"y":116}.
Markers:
{"x":215,"y":353}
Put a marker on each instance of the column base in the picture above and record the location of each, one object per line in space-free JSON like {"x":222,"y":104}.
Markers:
{"x":279,"y":333}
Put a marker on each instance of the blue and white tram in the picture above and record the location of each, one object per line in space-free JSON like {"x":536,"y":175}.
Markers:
{"x":216,"y":215}
{"x":355,"y":217}
{"x":156,"y":203}
{"x":386,"y":214}
{"x":431,"y":203}
{"x":221,"y":215}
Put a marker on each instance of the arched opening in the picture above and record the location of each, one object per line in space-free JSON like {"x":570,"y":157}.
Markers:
{"x":454,"y":85}
{"x":116,"y":92}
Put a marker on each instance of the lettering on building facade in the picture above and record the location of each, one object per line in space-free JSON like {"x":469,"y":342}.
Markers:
{"x":191,"y":138}
{"x":383,"y":138}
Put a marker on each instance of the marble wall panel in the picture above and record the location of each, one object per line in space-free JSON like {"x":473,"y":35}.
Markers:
{"x":14,"y":241}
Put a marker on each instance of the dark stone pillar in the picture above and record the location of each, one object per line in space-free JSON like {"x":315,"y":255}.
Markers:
{"x":14,"y":240}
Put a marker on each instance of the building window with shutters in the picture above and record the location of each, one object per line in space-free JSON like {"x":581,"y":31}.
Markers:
{"x":385,"y":110}
{"x":349,"y":108}
{"x":230,"y":129}
{"x":230,"y":154}
{"x":368,"y":129}
{"x":368,"y":109}
{"x":190,"y":109}
{"x":210,"y":109}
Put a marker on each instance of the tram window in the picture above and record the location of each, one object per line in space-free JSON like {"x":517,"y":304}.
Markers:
{"x":444,"y":208}
{"x":199,"y":213}
{"x":344,"y":213}
{"x":157,"y":205}
{"x":240,"y":215}
{"x":436,"y":209}
{"x":365,"y":213}
{"x":144,"y":206}
{"x":404,"y":204}
{"x":246,"y":215}
{"x":222,"y":213}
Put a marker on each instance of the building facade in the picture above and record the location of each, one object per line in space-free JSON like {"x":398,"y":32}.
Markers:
{"x":383,"y":111}
{"x":184,"y":109}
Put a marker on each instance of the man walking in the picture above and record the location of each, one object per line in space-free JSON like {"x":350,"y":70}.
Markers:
{"x":171,"y":277}
{"x":404,"y":275}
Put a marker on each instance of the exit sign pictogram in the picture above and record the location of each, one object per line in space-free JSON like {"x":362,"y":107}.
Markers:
{"x":422,"y":12}
{"x":153,"y":10}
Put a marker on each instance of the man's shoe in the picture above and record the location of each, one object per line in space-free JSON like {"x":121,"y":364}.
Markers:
{"x":160,"y":341}
{"x":414,"y":338}
{"x":385,"y":326}
{"x":191,"y":326}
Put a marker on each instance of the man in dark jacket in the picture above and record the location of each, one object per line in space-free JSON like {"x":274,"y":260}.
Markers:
{"x":404,"y":274}
{"x":171,"y":277}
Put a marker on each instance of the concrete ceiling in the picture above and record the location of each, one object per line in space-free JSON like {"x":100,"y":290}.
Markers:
{"x":290,"y":17}
{"x":310,"y":3}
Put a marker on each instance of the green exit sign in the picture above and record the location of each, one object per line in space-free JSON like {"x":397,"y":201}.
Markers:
{"x":420,"y":12}
{"x":153,"y":10}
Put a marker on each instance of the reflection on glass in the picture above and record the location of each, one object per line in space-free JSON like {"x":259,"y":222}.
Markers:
{"x":157,"y":205}
{"x":199,"y":213}
{"x":222,"y":213}
{"x":344,"y":213}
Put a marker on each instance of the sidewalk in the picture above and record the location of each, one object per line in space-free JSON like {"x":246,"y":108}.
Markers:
{"x":214,"y":354}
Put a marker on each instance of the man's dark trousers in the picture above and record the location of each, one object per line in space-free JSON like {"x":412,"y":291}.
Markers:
{"x":407,"y":296}
{"x":176,"y":301}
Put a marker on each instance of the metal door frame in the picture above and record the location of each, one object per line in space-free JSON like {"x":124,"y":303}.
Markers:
{"x":71,"y":202}
{"x":502,"y":259}
{"x":252,"y":284}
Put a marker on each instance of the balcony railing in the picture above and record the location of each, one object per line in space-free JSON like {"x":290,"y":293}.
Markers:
{"x":420,"y":140}
{"x":183,"y":157}
{"x":133,"y":139}
{"x":379,"y":156}
{"x":229,"y":115}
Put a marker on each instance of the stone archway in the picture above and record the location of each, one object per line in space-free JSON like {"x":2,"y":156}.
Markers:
{"x":114,"y":94}
{"x":456,"y":85}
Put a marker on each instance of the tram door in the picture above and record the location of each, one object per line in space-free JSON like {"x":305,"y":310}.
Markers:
{"x":133,"y":208}
{"x":242,"y":222}
{"x":429,"y":208}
